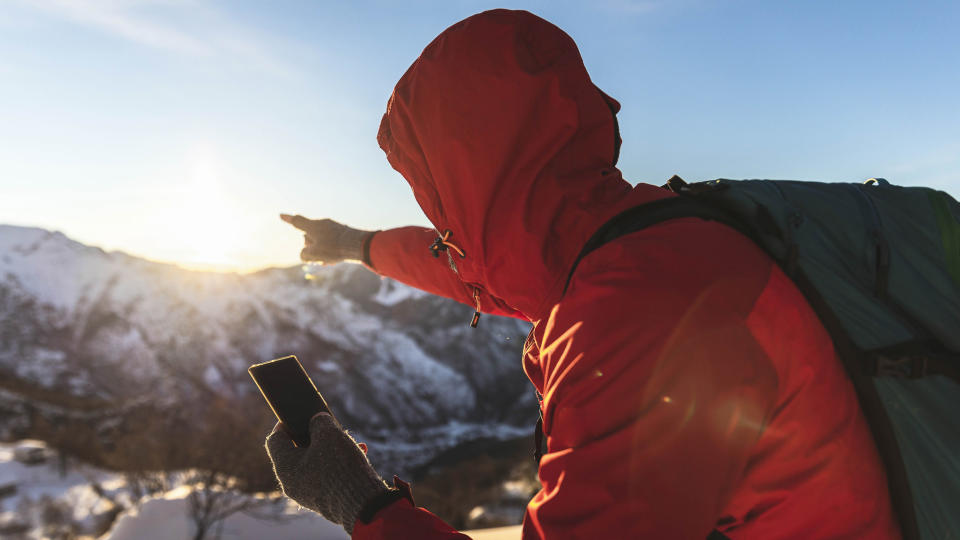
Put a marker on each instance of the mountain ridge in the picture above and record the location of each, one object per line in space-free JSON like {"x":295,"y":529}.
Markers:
{"x":399,"y":367}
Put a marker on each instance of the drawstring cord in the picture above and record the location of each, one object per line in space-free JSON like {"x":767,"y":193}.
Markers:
{"x":442,"y":243}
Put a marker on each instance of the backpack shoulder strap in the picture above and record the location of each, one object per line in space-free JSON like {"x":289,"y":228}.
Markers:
{"x":646,"y":215}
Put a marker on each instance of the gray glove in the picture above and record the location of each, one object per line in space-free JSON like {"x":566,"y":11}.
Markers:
{"x":327,"y":241}
{"x":332,"y":476}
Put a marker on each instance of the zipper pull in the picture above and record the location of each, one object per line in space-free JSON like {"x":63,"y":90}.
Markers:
{"x":476,"y":314}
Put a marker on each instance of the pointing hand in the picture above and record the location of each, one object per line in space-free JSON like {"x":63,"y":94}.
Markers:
{"x":327,"y":241}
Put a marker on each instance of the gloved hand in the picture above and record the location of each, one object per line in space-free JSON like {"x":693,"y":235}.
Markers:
{"x":332,"y":476}
{"x":328,"y":241}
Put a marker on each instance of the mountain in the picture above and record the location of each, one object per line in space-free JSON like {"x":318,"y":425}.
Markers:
{"x":135,"y":364}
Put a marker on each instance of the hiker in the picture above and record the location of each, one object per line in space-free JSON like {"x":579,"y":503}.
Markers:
{"x":688,"y":388}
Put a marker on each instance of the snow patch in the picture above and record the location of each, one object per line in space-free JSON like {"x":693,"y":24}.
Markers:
{"x":34,"y":482}
{"x":43,"y":367}
{"x":392,"y":293}
{"x":212,"y":376}
{"x":167,"y":516}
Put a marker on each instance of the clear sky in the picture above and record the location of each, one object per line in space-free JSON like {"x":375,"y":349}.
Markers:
{"x":177,"y":130}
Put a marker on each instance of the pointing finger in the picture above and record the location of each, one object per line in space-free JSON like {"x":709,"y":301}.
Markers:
{"x":297,"y":221}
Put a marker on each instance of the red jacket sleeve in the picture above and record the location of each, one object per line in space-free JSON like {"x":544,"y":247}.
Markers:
{"x":402,"y":254}
{"x":402,"y":520}
{"x":654,"y":396}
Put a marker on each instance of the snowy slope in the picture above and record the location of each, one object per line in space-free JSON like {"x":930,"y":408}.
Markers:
{"x":41,"y":495}
{"x":43,"y":498}
{"x":164,"y":518}
{"x":167,"y":516}
{"x":112,"y":332}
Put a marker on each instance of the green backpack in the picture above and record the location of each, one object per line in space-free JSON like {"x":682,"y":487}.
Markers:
{"x":880,"y":264}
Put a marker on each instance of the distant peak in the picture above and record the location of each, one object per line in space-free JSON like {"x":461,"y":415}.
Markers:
{"x":17,"y":236}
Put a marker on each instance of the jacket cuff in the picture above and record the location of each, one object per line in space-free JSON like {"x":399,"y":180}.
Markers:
{"x":365,"y":258}
{"x":400,"y":490}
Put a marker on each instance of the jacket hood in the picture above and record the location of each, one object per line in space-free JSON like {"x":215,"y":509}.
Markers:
{"x":508,"y":144}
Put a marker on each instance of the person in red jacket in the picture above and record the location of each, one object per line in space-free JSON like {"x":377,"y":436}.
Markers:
{"x":688,"y":388}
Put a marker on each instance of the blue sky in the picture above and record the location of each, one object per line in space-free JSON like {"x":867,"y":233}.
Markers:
{"x":178,"y":129}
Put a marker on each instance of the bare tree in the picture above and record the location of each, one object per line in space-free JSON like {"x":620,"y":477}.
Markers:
{"x":215,"y":497}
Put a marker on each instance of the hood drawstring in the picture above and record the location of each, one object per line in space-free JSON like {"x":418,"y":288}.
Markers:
{"x":442,"y":243}
{"x":476,"y":314}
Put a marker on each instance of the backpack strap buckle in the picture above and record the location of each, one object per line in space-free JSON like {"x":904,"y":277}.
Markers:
{"x":681,"y":187}
{"x":900,"y":367}
{"x":675,"y":184}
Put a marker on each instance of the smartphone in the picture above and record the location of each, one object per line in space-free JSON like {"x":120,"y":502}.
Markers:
{"x":291,"y":395}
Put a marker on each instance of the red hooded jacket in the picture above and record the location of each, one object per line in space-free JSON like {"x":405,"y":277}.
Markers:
{"x":687,"y":384}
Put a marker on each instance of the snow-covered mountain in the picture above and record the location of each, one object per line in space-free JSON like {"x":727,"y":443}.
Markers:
{"x":98,"y":345}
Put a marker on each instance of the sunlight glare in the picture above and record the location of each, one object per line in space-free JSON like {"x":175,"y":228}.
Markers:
{"x":206,"y":235}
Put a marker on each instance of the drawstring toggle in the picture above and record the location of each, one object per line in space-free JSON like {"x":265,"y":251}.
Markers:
{"x":476,"y":314}
{"x":442,"y":243}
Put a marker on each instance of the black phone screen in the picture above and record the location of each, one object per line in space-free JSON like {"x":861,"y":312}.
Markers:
{"x":291,"y":394}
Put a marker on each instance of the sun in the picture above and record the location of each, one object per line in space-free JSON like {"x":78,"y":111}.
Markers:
{"x":204,"y":229}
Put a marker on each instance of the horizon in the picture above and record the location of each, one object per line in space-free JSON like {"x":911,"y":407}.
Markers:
{"x":177,"y":130}
{"x":213,"y":269}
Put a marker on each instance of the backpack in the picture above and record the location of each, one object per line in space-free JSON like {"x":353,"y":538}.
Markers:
{"x":880,"y":265}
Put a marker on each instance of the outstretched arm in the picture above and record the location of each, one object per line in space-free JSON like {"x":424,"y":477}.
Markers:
{"x":401,"y":254}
